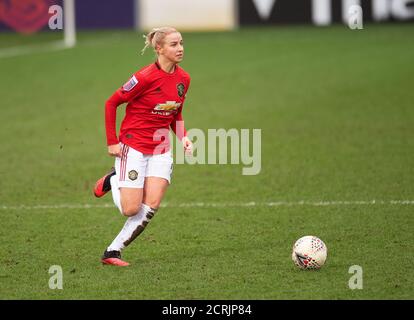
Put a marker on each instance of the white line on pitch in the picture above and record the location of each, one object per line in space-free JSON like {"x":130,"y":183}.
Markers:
{"x":216,"y":204}
{"x":29,"y":49}
{"x":55,"y":46}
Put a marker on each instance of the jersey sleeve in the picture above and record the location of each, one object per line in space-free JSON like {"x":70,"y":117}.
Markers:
{"x":132,"y":89}
{"x":177,"y":125}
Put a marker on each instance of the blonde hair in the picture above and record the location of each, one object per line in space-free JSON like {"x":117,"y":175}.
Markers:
{"x":156,"y":36}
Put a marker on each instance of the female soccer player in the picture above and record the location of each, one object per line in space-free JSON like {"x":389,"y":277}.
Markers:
{"x":143,"y":164}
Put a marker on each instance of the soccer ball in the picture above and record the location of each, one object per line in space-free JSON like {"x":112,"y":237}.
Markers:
{"x":309,"y":252}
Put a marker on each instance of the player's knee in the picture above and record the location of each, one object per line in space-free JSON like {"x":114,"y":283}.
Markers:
{"x":153,"y":203}
{"x":130,"y":210}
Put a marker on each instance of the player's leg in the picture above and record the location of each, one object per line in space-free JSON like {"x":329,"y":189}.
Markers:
{"x":131,"y":199}
{"x":158,"y":169}
{"x":154,"y":190}
{"x":157,"y":180}
{"x":131,"y":203}
{"x":152,"y":194}
{"x":127,"y":190}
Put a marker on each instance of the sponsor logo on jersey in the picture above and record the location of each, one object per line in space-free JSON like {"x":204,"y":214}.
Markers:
{"x":168,"y":106}
{"x":165,"y":109}
{"x":130,"y":84}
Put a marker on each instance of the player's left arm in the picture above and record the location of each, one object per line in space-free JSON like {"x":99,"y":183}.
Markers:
{"x":178,"y":127}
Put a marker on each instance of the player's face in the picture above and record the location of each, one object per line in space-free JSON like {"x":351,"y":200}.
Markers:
{"x":173,"y":47}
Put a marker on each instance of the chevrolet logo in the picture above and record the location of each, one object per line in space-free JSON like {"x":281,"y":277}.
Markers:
{"x":168,"y":106}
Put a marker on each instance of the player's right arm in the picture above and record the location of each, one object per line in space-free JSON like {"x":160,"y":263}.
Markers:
{"x":134,"y":87}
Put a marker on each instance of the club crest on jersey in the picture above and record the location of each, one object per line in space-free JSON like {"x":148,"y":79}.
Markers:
{"x":132,"y":175}
{"x":130,"y":84}
{"x":180,"y":89}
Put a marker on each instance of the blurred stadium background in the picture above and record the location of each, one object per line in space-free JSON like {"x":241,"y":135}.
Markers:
{"x":335,"y":107}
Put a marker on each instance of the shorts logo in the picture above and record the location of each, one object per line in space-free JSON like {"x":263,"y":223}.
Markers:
{"x":180,"y":89}
{"x":130,"y":84}
{"x":132,"y":175}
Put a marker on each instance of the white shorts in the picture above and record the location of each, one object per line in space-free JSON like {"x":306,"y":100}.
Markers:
{"x":133,"y":166}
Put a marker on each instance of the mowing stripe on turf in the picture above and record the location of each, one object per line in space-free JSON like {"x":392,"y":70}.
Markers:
{"x":216,"y":204}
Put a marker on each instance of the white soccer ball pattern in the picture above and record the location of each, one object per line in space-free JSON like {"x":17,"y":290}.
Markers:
{"x":309,"y":252}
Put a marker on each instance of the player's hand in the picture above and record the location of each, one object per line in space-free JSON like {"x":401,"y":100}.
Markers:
{"x":114,"y":150}
{"x":188,"y":145}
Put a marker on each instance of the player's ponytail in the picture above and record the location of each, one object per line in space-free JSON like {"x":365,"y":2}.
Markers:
{"x":156,"y":36}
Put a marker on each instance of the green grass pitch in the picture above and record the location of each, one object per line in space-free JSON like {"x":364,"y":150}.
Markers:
{"x":336,"y":110}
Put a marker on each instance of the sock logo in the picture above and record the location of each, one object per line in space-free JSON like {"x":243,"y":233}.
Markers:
{"x":132,"y":175}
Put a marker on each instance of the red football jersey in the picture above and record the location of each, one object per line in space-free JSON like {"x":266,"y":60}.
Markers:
{"x":155,"y":101}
